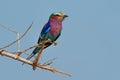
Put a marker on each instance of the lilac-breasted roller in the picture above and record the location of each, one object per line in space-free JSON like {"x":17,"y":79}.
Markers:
{"x":51,"y":30}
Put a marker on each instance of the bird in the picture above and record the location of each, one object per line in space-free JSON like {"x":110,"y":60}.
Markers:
{"x":51,"y":30}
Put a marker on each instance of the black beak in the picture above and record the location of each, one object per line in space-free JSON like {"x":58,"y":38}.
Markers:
{"x":65,"y":16}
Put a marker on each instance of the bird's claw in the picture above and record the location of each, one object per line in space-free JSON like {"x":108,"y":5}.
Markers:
{"x":55,"y":43}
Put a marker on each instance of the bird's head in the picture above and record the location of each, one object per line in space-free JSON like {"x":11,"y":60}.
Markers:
{"x":59,"y":16}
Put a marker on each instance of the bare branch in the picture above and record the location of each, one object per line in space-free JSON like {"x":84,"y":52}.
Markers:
{"x":42,"y":66}
{"x":14,"y":31}
{"x":19,"y":37}
{"x":39,"y":55}
{"x":34,"y":64}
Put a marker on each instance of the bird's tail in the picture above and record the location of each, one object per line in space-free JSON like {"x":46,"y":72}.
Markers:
{"x":35,"y":51}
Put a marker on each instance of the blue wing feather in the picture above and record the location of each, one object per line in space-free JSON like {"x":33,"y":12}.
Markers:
{"x":45,"y":29}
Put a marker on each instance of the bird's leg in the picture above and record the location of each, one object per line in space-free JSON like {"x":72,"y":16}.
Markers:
{"x":38,"y":56}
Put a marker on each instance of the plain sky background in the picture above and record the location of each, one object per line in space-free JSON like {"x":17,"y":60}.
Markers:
{"x":89,"y":47}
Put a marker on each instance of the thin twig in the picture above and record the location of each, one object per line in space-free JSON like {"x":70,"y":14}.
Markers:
{"x":49,"y":61}
{"x":37,"y":45}
{"x":7,"y":28}
{"x":28,"y":48}
{"x":19,"y":38}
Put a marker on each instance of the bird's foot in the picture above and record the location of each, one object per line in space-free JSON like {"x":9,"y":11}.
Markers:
{"x":55,"y":43}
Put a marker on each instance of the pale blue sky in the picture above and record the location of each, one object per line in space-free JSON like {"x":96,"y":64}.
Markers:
{"x":89,"y":47}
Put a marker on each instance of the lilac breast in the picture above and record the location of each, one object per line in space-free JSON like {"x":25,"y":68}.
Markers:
{"x":55,"y":28}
